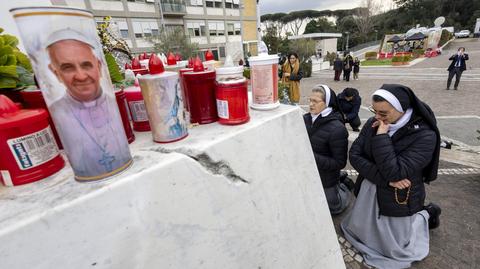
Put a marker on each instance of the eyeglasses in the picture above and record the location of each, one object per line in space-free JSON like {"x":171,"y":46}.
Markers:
{"x":381,"y":114}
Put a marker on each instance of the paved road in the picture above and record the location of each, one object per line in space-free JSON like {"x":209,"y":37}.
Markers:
{"x":457,"y":190}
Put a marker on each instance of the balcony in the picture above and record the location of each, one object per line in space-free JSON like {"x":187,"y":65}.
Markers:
{"x":173,"y":7}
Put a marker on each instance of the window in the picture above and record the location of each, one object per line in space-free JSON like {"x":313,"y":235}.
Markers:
{"x":228,"y":3}
{"x":196,"y":28}
{"x":216,"y":28}
{"x":222,"y":51}
{"x":238,"y":28}
{"x":196,"y":3}
{"x":123,"y":28}
{"x":214,"y":3}
{"x":236,"y":4}
{"x":145,"y":28}
{"x":234,"y":28}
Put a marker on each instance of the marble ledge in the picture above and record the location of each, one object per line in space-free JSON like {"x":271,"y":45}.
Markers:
{"x":29,"y":202}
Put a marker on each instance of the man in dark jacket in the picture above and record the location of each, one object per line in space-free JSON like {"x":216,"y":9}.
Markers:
{"x":457,"y":66}
{"x":338,"y":67}
{"x":350,"y":101}
{"x":396,"y":152}
{"x":329,"y":139}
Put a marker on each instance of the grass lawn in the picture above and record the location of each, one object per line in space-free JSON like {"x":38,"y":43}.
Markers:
{"x":376,"y":62}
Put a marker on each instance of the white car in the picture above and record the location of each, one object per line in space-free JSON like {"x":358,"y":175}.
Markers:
{"x":463,"y":33}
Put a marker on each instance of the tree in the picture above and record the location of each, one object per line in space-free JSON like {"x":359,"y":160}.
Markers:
{"x":271,"y":39}
{"x":364,"y":17}
{"x":304,"y":48}
{"x":320,"y":25}
{"x":274,"y":20}
{"x":175,"y":41}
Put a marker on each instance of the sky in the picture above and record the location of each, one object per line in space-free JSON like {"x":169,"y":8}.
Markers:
{"x":274,"y":6}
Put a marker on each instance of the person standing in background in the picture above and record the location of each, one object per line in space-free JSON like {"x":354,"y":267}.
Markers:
{"x":356,"y":68}
{"x":291,"y":75}
{"x":337,"y":67}
{"x":456,"y":68}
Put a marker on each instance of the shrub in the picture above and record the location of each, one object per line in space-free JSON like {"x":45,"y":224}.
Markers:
{"x":307,"y":68}
{"x":283,"y":92}
{"x":397,"y":58}
{"x":401,"y":58}
{"x":371,"y":55}
{"x":418,"y":52}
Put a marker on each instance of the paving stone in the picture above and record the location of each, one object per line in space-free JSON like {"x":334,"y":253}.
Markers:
{"x":341,"y":239}
{"x":350,"y":252}
{"x":358,"y":258}
{"x":348,"y":245}
{"x":344,"y":252}
{"x":348,"y":259}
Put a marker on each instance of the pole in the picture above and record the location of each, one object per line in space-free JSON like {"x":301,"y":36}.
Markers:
{"x":162,"y":21}
{"x":259,"y":36}
{"x":346,"y":45}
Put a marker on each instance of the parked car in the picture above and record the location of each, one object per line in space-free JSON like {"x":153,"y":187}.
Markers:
{"x":463,"y":34}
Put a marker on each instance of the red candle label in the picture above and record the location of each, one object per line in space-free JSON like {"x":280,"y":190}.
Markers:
{"x":138,"y":110}
{"x":33,"y":149}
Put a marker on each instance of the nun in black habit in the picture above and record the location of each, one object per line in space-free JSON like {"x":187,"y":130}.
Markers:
{"x":329,"y":139}
{"x":396,"y":152}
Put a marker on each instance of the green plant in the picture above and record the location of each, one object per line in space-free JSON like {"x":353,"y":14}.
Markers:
{"x":371,"y":55}
{"x":282,"y":90}
{"x":418,"y":52}
{"x":401,"y":58}
{"x":307,"y":68}
{"x":113,"y":68}
{"x":397,"y":59}
{"x":246,"y":73}
{"x":15,"y":68}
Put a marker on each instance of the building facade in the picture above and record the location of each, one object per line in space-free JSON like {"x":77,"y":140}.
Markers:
{"x":211,"y":23}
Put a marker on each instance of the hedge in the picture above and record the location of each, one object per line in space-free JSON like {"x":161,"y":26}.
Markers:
{"x":371,"y":55}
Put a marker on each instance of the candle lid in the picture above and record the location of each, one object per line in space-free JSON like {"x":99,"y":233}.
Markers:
{"x":209,"y":56}
{"x":155,"y":65}
{"x":171,"y":60}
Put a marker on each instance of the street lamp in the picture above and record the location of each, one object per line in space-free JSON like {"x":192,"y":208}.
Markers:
{"x":346,"y":45}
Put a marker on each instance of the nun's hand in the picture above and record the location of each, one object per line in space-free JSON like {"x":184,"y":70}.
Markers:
{"x":402,"y":184}
{"x":382,"y":127}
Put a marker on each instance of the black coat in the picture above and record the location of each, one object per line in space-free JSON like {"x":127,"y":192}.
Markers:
{"x":338,"y":65}
{"x":454,"y":58}
{"x":348,"y":61}
{"x":382,"y":159}
{"x":356,"y":66}
{"x":329,"y":140}
{"x":349,"y":108}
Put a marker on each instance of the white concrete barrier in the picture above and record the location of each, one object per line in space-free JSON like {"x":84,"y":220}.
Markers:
{"x":245,"y":196}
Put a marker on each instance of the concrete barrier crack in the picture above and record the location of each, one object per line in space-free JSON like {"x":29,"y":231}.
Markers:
{"x":215,"y":167}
